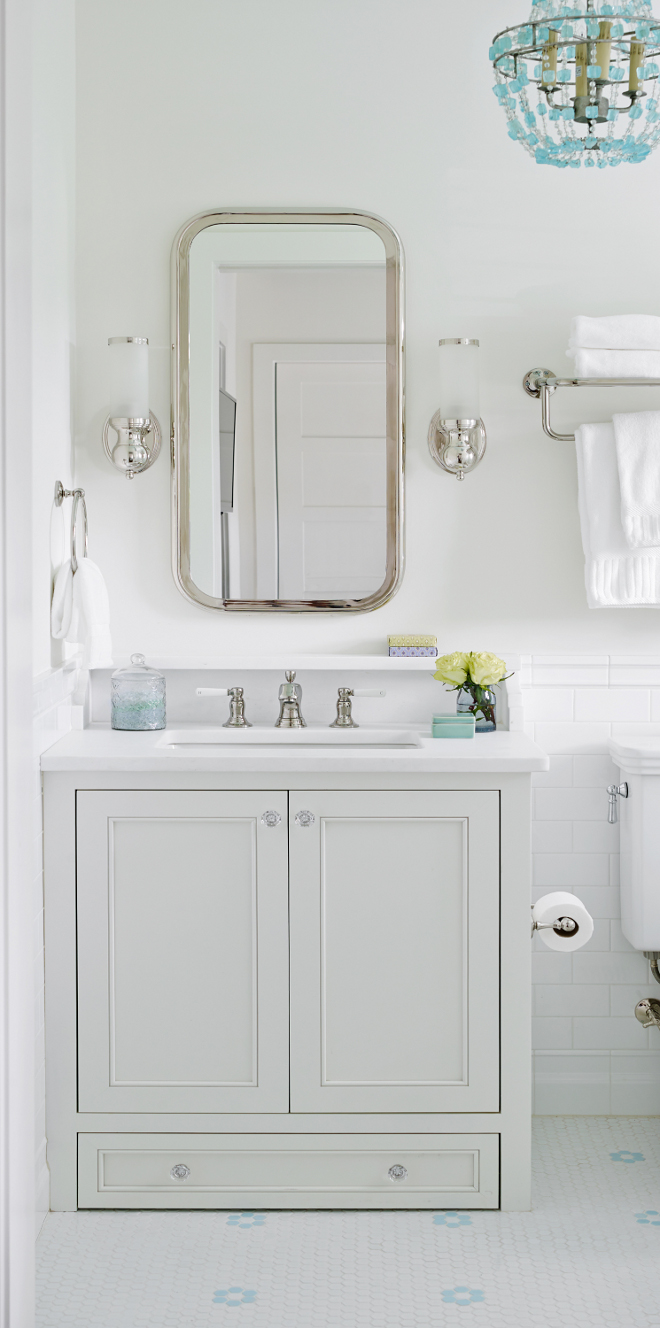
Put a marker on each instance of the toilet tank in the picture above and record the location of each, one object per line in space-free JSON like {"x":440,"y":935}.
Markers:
{"x":638,"y":760}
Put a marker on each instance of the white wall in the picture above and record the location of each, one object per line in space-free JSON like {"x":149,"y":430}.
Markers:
{"x":53,"y":216}
{"x":53,"y":189}
{"x":386,"y":107}
{"x":16,"y":825}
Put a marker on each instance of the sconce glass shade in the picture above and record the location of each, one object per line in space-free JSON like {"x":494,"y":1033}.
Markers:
{"x":459,"y":379}
{"x":129,"y":377}
{"x":580,"y":84}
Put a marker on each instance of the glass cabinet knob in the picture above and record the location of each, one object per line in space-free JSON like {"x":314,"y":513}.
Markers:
{"x":271,"y":818}
{"x":180,"y":1171}
{"x":305,"y":818}
{"x":397,"y":1172}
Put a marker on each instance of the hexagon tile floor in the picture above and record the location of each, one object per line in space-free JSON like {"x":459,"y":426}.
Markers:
{"x":588,"y":1254}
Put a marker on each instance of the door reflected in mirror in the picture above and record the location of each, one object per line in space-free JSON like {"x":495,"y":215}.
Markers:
{"x":289,"y":354}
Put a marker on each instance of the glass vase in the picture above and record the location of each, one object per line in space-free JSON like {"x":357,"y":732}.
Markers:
{"x":482,"y":703}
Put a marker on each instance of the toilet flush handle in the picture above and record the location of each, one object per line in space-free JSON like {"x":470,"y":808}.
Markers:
{"x":615,"y":791}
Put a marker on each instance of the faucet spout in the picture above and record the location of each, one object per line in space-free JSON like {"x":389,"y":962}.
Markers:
{"x":290,"y":697}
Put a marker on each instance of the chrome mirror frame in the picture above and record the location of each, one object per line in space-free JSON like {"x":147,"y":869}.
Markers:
{"x":180,"y":433}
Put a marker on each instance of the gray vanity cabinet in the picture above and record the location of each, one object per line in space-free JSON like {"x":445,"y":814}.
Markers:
{"x":186,"y":933}
{"x":287,"y":997}
{"x":394,"y":920}
{"x":183,"y":985}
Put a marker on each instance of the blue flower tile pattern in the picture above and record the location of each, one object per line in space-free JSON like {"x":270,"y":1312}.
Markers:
{"x":451,"y":1218}
{"x":461,"y":1295}
{"x":246,"y":1221}
{"x":234,"y":1296}
{"x":383,"y":1269}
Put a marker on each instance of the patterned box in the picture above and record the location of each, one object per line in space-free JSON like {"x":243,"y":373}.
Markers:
{"x":415,"y":652}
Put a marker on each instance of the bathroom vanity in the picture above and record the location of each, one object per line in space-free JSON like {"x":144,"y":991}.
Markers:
{"x":288,"y":970}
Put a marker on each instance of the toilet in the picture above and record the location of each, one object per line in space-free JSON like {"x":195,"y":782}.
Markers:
{"x":638,"y":808}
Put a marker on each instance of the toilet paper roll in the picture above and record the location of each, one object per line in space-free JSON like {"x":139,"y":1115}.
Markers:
{"x":561,"y":904}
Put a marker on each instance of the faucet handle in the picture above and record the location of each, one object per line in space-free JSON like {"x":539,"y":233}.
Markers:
{"x":344,"y":718}
{"x":237,"y":718}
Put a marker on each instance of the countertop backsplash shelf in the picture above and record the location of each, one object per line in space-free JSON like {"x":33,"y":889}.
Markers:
{"x":412,"y":696}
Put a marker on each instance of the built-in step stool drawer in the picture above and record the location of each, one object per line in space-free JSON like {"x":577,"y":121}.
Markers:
{"x":285,"y":1171}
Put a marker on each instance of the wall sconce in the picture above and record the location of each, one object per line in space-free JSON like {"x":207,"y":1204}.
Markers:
{"x":457,"y":437}
{"x":137,"y":429}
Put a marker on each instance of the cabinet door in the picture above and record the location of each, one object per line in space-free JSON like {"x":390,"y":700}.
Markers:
{"x":182,"y":952}
{"x":394,"y":951}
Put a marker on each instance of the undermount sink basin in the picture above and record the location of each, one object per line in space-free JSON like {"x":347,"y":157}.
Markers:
{"x":184,"y":740}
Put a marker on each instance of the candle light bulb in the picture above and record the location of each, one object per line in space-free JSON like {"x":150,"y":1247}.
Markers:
{"x":581,"y":62}
{"x":636,"y":59}
{"x":604,"y":50}
{"x":549,"y":70}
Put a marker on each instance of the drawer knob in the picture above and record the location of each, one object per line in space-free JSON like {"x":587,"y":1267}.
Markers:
{"x":305,"y":818}
{"x":270,"y":819}
{"x":397,"y":1172}
{"x":180,"y":1171}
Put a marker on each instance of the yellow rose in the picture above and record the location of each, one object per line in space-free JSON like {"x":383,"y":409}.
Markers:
{"x":485,"y":669}
{"x":452,"y":668}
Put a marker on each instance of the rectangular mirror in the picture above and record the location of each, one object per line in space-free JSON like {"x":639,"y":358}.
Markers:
{"x":287,"y":411}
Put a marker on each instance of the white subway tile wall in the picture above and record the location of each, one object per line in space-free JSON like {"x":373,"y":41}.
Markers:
{"x":591,"y":1056}
{"x":52,"y":695}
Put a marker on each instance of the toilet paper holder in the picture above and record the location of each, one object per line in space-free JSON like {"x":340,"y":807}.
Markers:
{"x":562,"y":921}
{"x":563,"y":926}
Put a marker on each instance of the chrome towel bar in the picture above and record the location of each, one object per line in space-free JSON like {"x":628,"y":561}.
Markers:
{"x":542,"y":383}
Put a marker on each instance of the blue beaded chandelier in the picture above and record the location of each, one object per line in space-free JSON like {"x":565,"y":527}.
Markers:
{"x":579,"y":85}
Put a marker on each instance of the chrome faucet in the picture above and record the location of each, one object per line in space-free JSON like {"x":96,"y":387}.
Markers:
{"x":290,"y":696}
{"x":237,"y":718}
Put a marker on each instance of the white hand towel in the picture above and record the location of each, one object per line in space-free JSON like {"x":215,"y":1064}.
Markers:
{"x":617,"y":332}
{"x":637,"y":440}
{"x":615,"y":576}
{"x":615,"y":363}
{"x":91,"y":616}
{"x":62,"y":602}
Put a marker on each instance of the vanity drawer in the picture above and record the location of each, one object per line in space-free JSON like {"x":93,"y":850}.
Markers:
{"x":284,"y":1171}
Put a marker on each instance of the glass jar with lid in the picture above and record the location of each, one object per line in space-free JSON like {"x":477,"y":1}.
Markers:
{"x":137,"y":697}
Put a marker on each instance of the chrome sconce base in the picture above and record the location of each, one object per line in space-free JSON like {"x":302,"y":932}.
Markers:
{"x":456,"y":445}
{"x":137,"y":446}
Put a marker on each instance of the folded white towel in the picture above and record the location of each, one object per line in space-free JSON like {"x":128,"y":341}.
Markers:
{"x":614,"y":575}
{"x":62,"y":602}
{"x":637,"y":439}
{"x":90,"y":618}
{"x":617,"y":332}
{"x":615,"y":363}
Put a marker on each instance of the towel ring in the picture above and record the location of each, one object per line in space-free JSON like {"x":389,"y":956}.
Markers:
{"x":78,"y":496}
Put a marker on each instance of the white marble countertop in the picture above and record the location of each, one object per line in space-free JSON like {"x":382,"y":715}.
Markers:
{"x":99,"y":748}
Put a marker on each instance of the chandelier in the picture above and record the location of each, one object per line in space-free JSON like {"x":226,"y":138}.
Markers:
{"x":579,"y":85}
